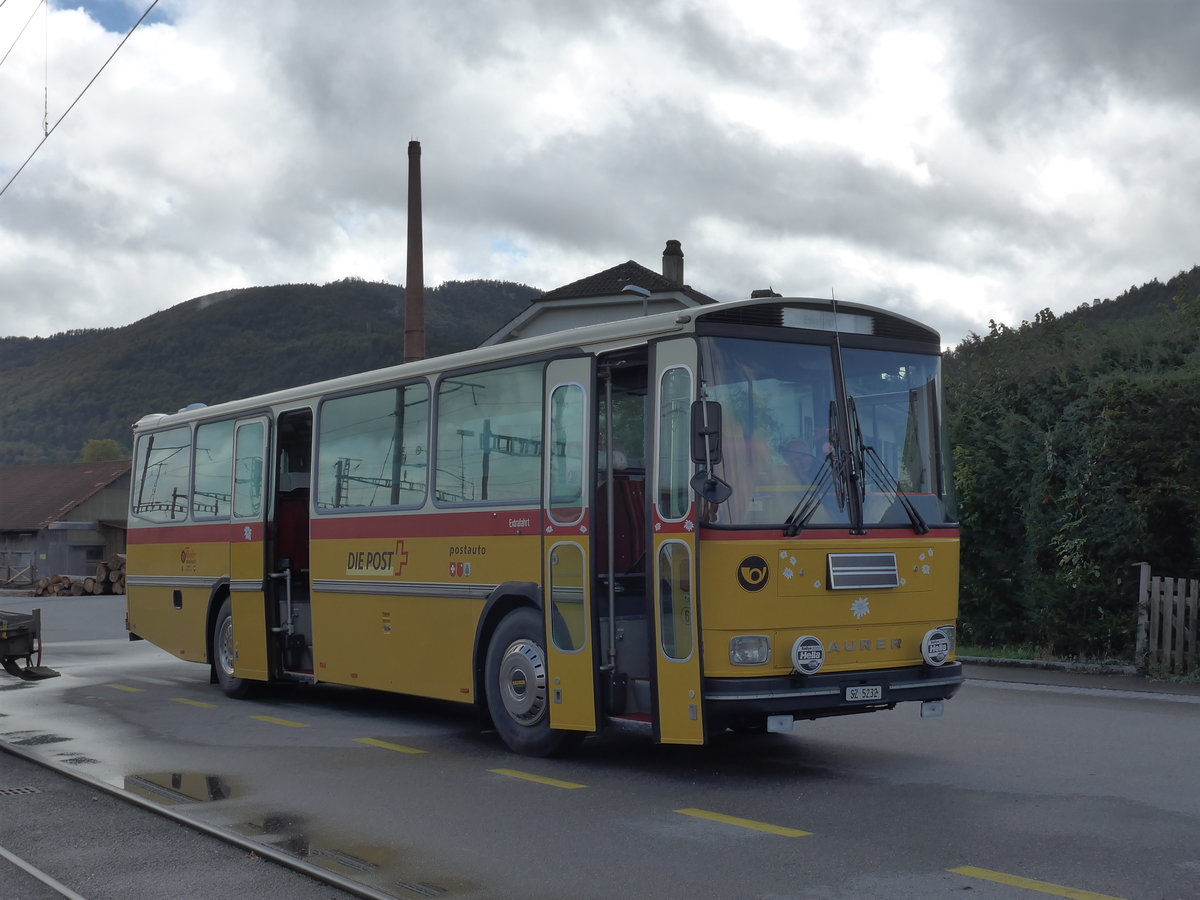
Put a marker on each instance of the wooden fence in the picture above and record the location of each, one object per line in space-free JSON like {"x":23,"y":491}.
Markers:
{"x":1168,"y":624}
{"x":16,"y":568}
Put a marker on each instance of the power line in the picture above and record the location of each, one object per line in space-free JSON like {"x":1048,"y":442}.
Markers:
{"x":22,"y":31}
{"x":77,"y":99}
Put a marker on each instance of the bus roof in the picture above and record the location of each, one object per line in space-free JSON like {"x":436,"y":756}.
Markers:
{"x":811,"y":313}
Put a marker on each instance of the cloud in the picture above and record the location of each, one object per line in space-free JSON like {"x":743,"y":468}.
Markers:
{"x":958,"y":163}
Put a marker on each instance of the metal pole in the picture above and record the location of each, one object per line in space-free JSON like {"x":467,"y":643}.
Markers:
{"x":612,"y":559}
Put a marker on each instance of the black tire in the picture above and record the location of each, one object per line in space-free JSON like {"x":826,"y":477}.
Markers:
{"x":222,"y":655}
{"x":518,"y":690}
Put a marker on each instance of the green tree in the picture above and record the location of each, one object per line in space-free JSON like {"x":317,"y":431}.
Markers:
{"x":1077,"y":446}
{"x":103,"y":450}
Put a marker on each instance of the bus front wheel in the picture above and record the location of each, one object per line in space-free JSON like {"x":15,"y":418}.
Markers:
{"x":223,"y":653}
{"x":518,"y":692}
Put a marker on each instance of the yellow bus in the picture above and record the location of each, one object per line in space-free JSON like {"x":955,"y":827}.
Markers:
{"x":730,"y":517}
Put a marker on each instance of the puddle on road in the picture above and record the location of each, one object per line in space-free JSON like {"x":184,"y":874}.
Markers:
{"x":173,"y":788}
{"x":289,"y":834}
{"x":375,"y":866}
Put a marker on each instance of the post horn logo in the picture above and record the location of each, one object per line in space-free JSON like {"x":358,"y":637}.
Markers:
{"x":752,"y":573}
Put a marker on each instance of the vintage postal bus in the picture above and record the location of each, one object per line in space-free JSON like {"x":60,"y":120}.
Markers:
{"x":728,"y":517}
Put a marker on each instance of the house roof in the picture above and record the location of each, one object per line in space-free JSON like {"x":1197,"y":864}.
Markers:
{"x":610,"y":282}
{"x":31,"y":497}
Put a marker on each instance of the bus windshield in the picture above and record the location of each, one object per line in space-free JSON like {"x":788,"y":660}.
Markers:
{"x":897,"y":401}
{"x":783,"y":448}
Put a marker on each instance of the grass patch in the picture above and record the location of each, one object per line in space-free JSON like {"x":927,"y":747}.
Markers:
{"x":1022,"y":651}
{"x":1032,"y":652}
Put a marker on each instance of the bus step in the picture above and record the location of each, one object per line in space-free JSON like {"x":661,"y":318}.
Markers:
{"x":632,"y":717}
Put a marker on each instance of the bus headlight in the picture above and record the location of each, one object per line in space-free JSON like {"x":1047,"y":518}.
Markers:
{"x":750,"y":650}
{"x":937,"y":645}
{"x":808,"y":655}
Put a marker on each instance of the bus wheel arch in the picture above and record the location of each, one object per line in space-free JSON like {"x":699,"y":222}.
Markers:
{"x":221,"y":652}
{"x":219,"y":595}
{"x":505,"y":599}
{"x":516,"y":685}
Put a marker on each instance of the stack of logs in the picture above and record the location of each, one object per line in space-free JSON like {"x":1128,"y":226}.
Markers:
{"x":109,"y":579}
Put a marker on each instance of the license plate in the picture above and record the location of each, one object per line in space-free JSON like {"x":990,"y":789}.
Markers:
{"x":864,"y":692}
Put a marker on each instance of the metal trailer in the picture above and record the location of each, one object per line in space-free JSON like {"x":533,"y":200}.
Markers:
{"x":21,"y":640}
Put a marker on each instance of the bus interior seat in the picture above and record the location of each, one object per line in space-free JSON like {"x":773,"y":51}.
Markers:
{"x":291,"y":529}
{"x":629,"y":525}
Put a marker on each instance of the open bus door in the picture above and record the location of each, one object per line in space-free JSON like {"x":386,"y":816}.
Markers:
{"x":567,"y":546}
{"x":679,"y":710}
{"x":247,"y":548}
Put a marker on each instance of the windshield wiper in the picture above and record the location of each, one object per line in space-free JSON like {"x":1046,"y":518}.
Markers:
{"x":811,"y":501}
{"x":836,"y":471}
{"x":872,"y":465}
{"x":878,"y":470}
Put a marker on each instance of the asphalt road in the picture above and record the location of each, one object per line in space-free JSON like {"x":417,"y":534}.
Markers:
{"x":1034,"y":783}
{"x":98,"y":845}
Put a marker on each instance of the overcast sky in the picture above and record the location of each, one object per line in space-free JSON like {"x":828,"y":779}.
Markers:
{"x":958,"y":162}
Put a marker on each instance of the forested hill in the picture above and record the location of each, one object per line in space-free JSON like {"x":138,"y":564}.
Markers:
{"x":62,"y":391}
{"x":1077,"y":453}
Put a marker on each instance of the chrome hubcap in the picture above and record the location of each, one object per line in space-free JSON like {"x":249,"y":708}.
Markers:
{"x":523,"y":682}
{"x":225,"y":647}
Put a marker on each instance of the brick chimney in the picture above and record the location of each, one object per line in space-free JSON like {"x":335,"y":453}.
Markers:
{"x":673,"y":262}
{"x":414,"y":287}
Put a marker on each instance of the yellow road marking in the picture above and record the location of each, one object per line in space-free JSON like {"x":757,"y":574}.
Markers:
{"x":540,"y":779}
{"x":125,"y":687}
{"x":744,"y":823}
{"x":199,"y":703}
{"x":275,"y":721}
{"x":399,"y":748}
{"x":1043,"y":887}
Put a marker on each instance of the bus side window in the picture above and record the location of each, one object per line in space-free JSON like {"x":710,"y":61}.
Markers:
{"x":489,"y":436}
{"x":371,"y":449}
{"x":161,"y":473}
{"x":248,"y":471}
{"x":212,"y":489}
{"x":674,"y":443}
{"x":675,"y":590}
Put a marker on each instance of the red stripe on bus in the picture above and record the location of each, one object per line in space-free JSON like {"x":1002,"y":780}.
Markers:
{"x":216,"y":532}
{"x":476,"y":523}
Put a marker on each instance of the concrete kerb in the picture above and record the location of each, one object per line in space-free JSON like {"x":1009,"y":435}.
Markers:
{"x":1095,"y":676}
{"x":1055,"y":665}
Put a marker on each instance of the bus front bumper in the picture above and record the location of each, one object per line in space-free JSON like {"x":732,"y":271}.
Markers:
{"x":834,"y":694}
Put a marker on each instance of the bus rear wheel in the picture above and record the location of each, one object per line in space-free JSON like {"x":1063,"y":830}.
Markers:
{"x":517,"y":688}
{"x":223,"y":654}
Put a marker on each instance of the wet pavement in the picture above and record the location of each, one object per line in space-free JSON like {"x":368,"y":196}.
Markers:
{"x":102,"y":846}
{"x":67,"y":825}
{"x":73,"y":827}
{"x":129,"y":719}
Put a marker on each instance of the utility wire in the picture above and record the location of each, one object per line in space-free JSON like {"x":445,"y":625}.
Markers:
{"x":46,"y":76}
{"x":77,"y":99}
{"x":22,"y":31}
